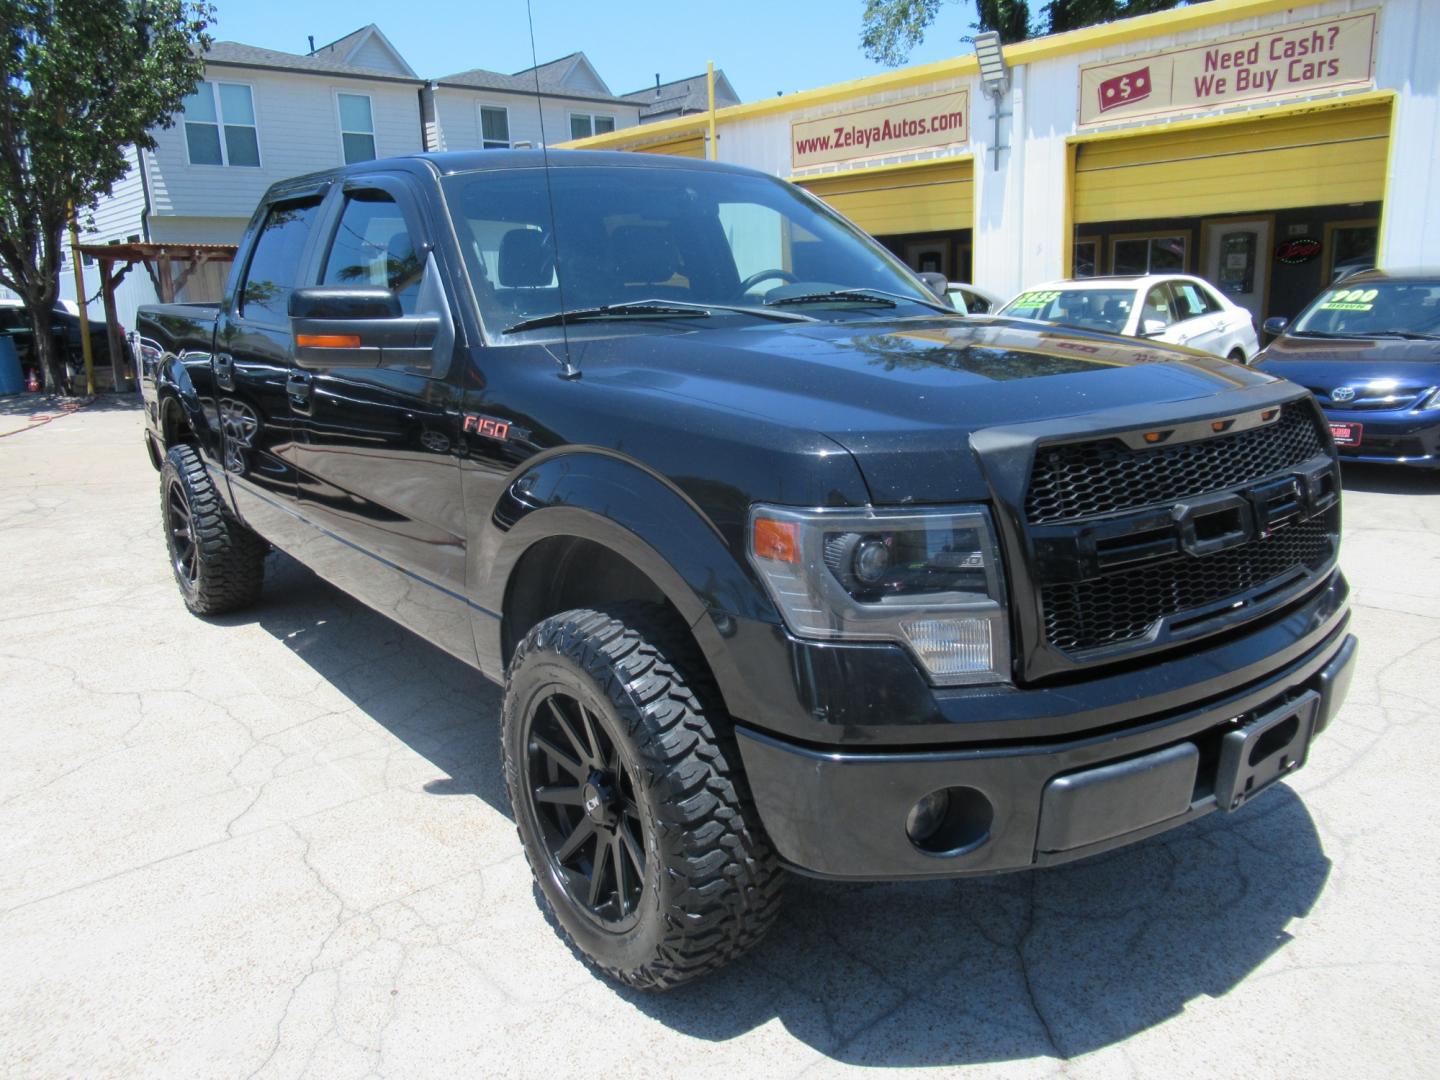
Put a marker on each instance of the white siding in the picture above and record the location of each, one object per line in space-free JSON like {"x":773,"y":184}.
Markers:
{"x":119,"y":214}
{"x":374,"y":55}
{"x":1409,"y":62}
{"x":299,"y":131}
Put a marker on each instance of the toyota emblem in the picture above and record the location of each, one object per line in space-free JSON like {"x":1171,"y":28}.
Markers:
{"x":1343,"y":393}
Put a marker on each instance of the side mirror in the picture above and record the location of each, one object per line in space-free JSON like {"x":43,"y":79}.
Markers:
{"x":1152,"y":327}
{"x":936,"y":283}
{"x":1276,"y":324}
{"x":358,"y":326}
{"x":344,"y":302}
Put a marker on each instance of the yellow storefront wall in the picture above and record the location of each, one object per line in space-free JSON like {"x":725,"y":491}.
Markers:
{"x":1317,"y":158}
{"x":937,"y":197}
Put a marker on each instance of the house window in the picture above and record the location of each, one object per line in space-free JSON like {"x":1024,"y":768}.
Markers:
{"x":220,"y":125}
{"x":357,"y":128}
{"x":494,"y":127}
{"x":583,"y":125}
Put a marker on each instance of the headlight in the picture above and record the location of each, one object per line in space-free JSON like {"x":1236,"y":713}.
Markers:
{"x":1431,"y":402}
{"x":928,"y":579}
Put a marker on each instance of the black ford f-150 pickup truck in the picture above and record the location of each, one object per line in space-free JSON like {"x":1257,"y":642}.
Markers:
{"x":784,"y":565}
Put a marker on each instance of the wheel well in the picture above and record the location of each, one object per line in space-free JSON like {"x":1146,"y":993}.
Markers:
{"x":174,"y":427}
{"x":563,"y":572}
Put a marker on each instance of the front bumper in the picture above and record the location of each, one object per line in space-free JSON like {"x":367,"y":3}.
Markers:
{"x":1027,"y":802}
{"x":1391,"y":438}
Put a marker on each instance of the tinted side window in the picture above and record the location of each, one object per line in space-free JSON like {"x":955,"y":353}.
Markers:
{"x":373,"y":246}
{"x":275,"y":262}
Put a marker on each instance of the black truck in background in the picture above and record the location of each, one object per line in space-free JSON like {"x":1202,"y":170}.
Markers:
{"x":784,"y":565}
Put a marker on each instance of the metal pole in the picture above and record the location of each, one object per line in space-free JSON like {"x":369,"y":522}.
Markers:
{"x":710,"y":91}
{"x":80,"y":303}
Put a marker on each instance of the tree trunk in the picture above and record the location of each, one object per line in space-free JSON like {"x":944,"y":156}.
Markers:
{"x":50,"y":357}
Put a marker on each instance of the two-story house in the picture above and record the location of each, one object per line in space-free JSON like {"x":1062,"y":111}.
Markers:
{"x":564,"y":99}
{"x":262,"y":115}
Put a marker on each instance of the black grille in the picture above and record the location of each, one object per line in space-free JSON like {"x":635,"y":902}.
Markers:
{"x":1120,"y":607}
{"x":1078,"y":480}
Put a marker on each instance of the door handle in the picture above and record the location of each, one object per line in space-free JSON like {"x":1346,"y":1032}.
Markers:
{"x":298,"y":386}
{"x":225,"y":370}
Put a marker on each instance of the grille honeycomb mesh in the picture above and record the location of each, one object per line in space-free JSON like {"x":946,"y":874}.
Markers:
{"x":1080,"y":480}
{"x":1122,"y":606}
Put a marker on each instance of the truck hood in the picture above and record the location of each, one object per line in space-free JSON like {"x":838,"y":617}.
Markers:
{"x":904,"y":396}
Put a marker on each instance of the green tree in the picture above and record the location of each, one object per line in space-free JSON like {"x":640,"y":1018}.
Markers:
{"x":891,"y":28}
{"x":79,"y":81}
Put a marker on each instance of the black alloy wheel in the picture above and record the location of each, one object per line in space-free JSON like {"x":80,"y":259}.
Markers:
{"x":582,"y":794}
{"x":219,"y":564}
{"x":180,"y":524}
{"x":629,"y":799}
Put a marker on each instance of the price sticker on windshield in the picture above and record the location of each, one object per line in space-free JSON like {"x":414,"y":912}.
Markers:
{"x":1034,"y":299}
{"x":1351,"y":300}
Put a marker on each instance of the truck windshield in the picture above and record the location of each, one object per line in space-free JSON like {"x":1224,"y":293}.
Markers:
{"x":1374,"y":309}
{"x":623,"y":236}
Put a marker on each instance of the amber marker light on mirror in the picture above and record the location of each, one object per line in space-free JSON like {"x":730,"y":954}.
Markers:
{"x":328,"y":341}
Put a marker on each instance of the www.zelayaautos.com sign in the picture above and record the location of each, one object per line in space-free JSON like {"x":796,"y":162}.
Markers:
{"x":880,"y":130}
{"x":1279,"y":62}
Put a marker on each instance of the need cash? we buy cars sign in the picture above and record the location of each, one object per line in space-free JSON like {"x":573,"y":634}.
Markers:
{"x":881,"y":130}
{"x":1283,"y":61}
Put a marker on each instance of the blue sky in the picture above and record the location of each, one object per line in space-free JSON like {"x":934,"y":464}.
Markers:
{"x":764,"y":47}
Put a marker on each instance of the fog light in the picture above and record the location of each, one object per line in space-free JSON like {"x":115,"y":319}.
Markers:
{"x":952,"y":646}
{"x":949,"y":822}
{"x":926,"y":816}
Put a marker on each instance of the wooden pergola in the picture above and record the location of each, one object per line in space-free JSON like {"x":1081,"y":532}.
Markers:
{"x":170,"y":266}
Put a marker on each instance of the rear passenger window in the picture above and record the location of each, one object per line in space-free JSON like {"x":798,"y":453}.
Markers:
{"x":1193,"y":300}
{"x":373,"y":246}
{"x":275,"y":263}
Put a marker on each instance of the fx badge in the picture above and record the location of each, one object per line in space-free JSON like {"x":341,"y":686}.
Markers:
{"x":487,"y":426}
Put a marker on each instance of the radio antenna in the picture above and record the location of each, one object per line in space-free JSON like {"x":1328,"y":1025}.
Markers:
{"x":567,"y":369}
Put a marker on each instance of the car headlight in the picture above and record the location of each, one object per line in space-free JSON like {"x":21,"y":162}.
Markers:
{"x":1431,"y":402}
{"x":928,"y":579}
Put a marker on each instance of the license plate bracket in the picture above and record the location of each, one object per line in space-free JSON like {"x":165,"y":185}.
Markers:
{"x":1346,"y":434}
{"x":1263,"y":751}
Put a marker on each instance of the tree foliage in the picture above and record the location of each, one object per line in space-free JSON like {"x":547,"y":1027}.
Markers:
{"x":892,"y":28}
{"x":79,"y":81}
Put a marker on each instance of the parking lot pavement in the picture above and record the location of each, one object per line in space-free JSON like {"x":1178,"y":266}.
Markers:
{"x":277,"y":845}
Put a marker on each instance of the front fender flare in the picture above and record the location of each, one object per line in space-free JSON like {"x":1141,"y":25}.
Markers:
{"x":617,"y":503}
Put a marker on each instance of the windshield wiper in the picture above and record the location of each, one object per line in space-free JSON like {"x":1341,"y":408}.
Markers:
{"x":875,"y":298}
{"x":655,"y":309}
{"x":641,"y":309}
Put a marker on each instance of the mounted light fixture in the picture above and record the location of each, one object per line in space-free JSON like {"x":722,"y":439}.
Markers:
{"x":994,"y":72}
{"x":995,"y":79}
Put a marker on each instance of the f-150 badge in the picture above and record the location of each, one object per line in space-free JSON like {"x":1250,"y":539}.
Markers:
{"x":487,"y":426}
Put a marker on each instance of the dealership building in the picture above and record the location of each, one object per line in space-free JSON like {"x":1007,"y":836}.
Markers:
{"x":1264,"y":146}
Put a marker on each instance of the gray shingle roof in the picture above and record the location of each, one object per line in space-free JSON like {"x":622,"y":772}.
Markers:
{"x":233,"y":52}
{"x":681,"y":96}
{"x":523,"y":82}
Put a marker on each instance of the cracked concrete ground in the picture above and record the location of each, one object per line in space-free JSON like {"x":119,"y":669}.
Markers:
{"x":277,"y":845}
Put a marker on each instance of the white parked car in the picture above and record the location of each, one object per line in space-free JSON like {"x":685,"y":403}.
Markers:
{"x":971,"y":299}
{"x":1174,"y":308}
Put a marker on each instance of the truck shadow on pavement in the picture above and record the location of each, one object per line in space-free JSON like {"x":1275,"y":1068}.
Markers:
{"x":1050,"y":963}
{"x":1390,"y":479}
